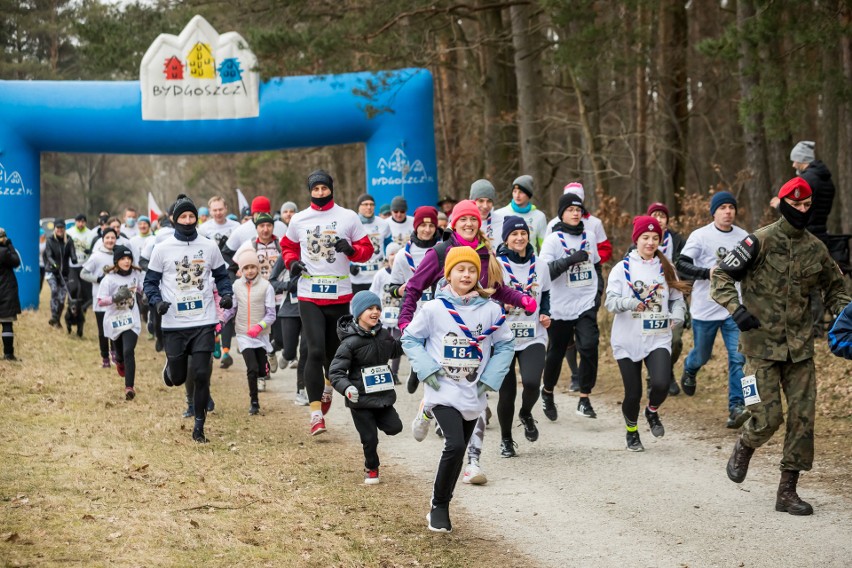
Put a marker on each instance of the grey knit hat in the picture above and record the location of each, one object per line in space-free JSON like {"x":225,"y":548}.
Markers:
{"x":482,"y":188}
{"x":399,"y":203}
{"x":525,"y":183}
{"x":183,"y":204}
{"x":289,"y":206}
{"x":803,"y":152}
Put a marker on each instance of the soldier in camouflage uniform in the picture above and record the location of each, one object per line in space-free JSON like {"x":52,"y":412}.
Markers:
{"x":778,"y":266}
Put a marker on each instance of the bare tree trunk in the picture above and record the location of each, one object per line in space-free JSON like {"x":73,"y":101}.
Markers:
{"x":844,"y":162}
{"x":528,"y":73}
{"x":641,"y":106}
{"x":672,"y":90}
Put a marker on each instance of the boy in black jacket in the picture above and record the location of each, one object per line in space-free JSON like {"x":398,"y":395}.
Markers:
{"x":360,"y":372}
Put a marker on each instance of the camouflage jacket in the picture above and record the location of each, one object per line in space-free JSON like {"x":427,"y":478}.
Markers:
{"x":776,"y":283}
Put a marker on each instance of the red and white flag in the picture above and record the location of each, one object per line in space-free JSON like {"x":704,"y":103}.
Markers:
{"x":154,"y":211}
{"x":242,"y":202}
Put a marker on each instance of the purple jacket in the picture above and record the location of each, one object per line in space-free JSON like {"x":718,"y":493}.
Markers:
{"x":429,"y":272}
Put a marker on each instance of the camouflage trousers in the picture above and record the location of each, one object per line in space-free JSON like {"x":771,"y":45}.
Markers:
{"x":58,"y":293}
{"x":798,"y":382}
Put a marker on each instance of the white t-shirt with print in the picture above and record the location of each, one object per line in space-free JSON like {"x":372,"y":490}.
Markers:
{"x":401,"y":232}
{"x":378,"y":231}
{"x":526,"y":329}
{"x":82,"y":242}
{"x":706,"y":246}
{"x":248,"y":232}
{"x":95,"y":264}
{"x":213,"y":230}
{"x":123,"y":316}
{"x":390,"y":305}
{"x":635,"y":334}
{"x":572,"y":292}
{"x":187,"y":282}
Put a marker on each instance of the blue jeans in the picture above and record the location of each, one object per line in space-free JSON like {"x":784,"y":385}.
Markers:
{"x":704,"y":333}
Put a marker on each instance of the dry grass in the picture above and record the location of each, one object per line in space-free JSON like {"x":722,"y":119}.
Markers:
{"x":89,"y":479}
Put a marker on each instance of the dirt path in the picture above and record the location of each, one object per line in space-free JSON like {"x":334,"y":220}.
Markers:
{"x":576,"y":497}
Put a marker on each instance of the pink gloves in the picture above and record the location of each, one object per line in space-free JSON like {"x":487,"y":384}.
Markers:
{"x":254,"y":331}
{"x":529,"y":304}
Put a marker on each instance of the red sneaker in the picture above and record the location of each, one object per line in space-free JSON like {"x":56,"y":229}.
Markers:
{"x":317,"y":425}
{"x":325,"y":401}
{"x":129,"y":393}
{"x":120,"y":368}
{"x":371,"y":476}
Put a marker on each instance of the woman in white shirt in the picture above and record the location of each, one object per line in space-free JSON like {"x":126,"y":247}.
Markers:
{"x":93,"y":271}
{"x":647,"y":299}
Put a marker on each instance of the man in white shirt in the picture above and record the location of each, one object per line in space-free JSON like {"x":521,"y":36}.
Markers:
{"x":380,"y":236}
{"x":129,"y":226}
{"x":702,"y":252}
{"x":482,"y":193}
{"x":82,"y":237}
{"x":218,"y":228}
{"x":401,"y":225}
{"x":521,"y":206}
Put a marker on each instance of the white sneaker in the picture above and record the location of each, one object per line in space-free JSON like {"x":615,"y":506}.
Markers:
{"x":473,"y":474}
{"x":301,"y":399}
{"x":282,"y":363}
{"x":273,"y":363}
{"x":420,"y":426}
{"x":261,"y":384}
{"x":294,"y":364}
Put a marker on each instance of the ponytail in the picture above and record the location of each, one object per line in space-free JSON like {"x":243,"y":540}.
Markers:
{"x":671,"y":276}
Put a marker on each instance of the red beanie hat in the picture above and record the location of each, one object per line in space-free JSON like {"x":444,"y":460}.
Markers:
{"x":645,"y":224}
{"x":796,"y":189}
{"x":260,"y":204}
{"x":425,"y":213}
{"x":463,"y":208}
{"x":658,"y":207}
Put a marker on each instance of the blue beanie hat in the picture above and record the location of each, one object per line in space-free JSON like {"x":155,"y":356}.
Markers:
{"x":720,"y":198}
{"x":363,"y":300}
{"x":513,"y":223}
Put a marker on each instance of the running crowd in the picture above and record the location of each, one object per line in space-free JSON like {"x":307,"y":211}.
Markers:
{"x":465,"y":293}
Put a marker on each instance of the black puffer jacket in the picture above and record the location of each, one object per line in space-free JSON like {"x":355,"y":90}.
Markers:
{"x":58,"y":255}
{"x":358,"y":349}
{"x":819,"y":178}
{"x":10,"y":304}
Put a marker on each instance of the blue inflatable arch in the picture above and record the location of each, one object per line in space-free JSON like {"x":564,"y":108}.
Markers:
{"x":390,"y":112}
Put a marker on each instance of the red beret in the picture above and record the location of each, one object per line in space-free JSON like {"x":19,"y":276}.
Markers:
{"x":796,"y":189}
{"x":645,"y":224}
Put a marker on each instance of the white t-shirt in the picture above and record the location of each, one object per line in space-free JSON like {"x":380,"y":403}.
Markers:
{"x":124,"y":316}
{"x":592,"y":225}
{"x":390,"y":305}
{"x":401,"y":232}
{"x":248,"y":232}
{"x":187,"y":282}
{"x":327,"y":271}
{"x":82,"y":242}
{"x":446,"y":343}
{"x":378,"y":231}
{"x":535,"y":219}
{"x":405,"y":263}
{"x":572,"y":292}
{"x":706,"y":247}
{"x":635,"y":334}
{"x":213,"y":230}
{"x":527,"y":330}
{"x":129,"y":232}
{"x":95,"y":264}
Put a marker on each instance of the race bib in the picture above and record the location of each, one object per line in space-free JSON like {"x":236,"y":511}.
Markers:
{"x":458,"y":352}
{"x":522,"y":330}
{"x":377,"y":379}
{"x":323,"y":288}
{"x":189,"y":304}
{"x":750,"y":394}
{"x":654,"y":323}
{"x":369,"y":267}
{"x":427,"y":296}
{"x":121,"y":321}
{"x":390,"y":315}
{"x":580,"y":275}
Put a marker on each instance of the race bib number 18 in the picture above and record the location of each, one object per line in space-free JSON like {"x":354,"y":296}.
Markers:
{"x":190,"y":304}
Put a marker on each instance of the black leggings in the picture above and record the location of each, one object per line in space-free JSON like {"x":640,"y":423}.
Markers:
{"x":659,"y":363}
{"x":368,"y":422}
{"x":584,"y":333}
{"x":103,"y":342}
{"x":8,"y":338}
{"x":457,"y":433}
{"x":531,"y":361}
{"x":228,"y":331}
{"x":291,"y":329}
{"x":125,"y":353}
{"x":255,"y":359}
{"x":319,"y":331}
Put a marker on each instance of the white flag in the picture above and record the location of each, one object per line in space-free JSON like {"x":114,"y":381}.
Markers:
{"x":242,"y":202}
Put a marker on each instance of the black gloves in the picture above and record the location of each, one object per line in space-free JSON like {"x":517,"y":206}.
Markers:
{"x":226,"y":302}
{"x":342,"y":245}
{"x":577,"y":257}
{"x":163,"y":307}
{"x":558,"y":267}
{"x":745,"y":320}
{"x":354,"y":269}
{"x":296,"y":269}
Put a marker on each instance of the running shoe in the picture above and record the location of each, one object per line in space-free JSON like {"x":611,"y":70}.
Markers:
{"x":507,"y":448}
{"x":190,"y":411}
{"x":166,"y":380}
{"x":420,"y":426}
{"x":548,"y":405}
{"x":217,"y":348}
{"x":301,"y":399}
{"x":653,"y":419}
{"x":129,"y":393}
{"x":396,"y":380}
{"x":261,"y":384}
{"x":674,"y":389}
{"x":530,"y":428}
{"x":294,"y":364}
{"x":473,"y":474}
{"x":198,"y":432}
{"x":412,"y":382}
{"x":10,"y":357}
{"x":105,"y":363}
{"x":575,"y":385}
{"x":120,"y":368}
{"x":254,"y":408}
{"x":273,"y":362}
{"x":634,"y":444}
{"x":211,"y":406}
{"x":158,"y":345}
{"x":317,"y":425}
{"x":438,"y":431}
{"x":325,"y":401}
{"x":371,"y":476}
{"x":487,"y":415}
{"x":738,"y":416}
{"x":687,"y":383}
{"x":439,"y":520}
{"x":112,"y":355}
{"x":227,"y":361}
{"x":584,"y":408}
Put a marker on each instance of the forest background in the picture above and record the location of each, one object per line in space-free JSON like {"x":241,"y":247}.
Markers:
{"x":665,"y":100}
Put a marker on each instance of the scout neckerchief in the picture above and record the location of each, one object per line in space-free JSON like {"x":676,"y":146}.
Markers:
{"x":514,"y":279}
{"x":408,"y":256}
{"x":583,"y":242}
{"x":474,"y":341}
{"x":653,"y":289}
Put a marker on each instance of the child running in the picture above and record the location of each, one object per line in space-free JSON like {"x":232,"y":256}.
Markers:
{"x":254,"y":309}
{"x":459,"y":346}
{"x":381,"y":287}
{"x":360,"y":372}
{"x":121,"y":322}
{"x":647,"y":299}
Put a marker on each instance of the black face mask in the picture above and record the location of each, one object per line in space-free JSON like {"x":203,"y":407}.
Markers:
{"x":322,"y":201}
{"x":185,"y":232}
{"x":795,"y":217}
{"x":125,"y":272}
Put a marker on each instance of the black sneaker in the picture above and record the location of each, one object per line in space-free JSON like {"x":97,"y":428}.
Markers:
{"x":438,"y":431}
{"x":653,"y":419}
{"x":575,"y":385}
{"x":412,"y":383}
{"x":634,"y":444}
{"x":254,"y":409}
{"x":584,"y":408}
{"x":198,"y":432}
{"x":687,"y":383}
{"x":507,"y":448}
{"x":211,"y":406}
{"x":674,"y":389}
{"x":10,"y":357}
{"x":439,"y":520}
{"x":548,"y":406}
{"x":158,"y":345}
{"x":189,"y":412}
{"x":166,"y":380}
{"x":739,"y":415}
{"x":487,"y":415}
{"x":227,"y":361}
{"x":530,"y":429}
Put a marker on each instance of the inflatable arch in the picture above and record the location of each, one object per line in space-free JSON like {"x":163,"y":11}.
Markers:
{"x":205,"y":98}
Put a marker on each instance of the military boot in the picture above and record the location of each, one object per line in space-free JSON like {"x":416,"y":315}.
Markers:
{"x":738,"y":463}
{"x":788,"y":500}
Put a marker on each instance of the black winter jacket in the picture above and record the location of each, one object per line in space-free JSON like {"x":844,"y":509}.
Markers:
{"x":819,"y":178}
{"x":58,"y":255}
{"x":360,"y":348}
{"x":10,"y":304}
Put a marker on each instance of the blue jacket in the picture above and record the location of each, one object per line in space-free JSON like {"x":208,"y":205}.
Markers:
{"x":424,"y":365}
{"x":840,"y":336}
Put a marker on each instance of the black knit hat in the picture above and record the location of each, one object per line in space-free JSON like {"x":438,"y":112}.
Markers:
{"x":317,"y":177}
{"x":261,"y":218}
{"x":567,"y":200}
{"x":365,"y":197}
{"x":514,"y":223}
{"x":120,"y":251}
{"x":182,"y":205}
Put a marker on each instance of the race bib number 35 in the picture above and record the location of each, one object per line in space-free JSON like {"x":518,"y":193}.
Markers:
{"x":377,"y":379}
